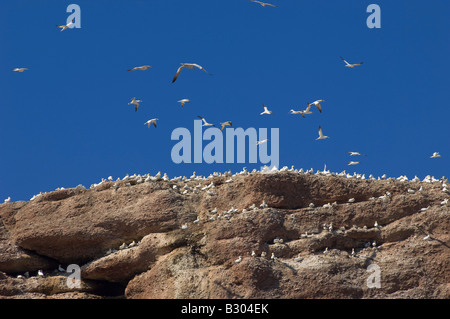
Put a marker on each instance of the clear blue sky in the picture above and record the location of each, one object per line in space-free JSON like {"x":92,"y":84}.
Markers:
{"x":66,"y":121}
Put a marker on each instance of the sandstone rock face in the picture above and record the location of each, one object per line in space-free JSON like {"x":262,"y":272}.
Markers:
{"x":180,"y":239}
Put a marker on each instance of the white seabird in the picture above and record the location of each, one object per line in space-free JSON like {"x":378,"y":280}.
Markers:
{"x":435,"y":154}
{"x":61,"y":269}
{"x":8,"y":200}
{"x":40,"y":273}
{"x":184,"y":101}
{"x":204,"y":121}
{"x":262,"y":141}
{"x":135,"y":103}
{"x":142,"y":68}
{"x":222,"y":125}
{"x":238,"y":260}
{"x":150,"y":122}
{"x":20,"y":70}
{"x":64,"y":27}
{"x":191,"y":66}
{"x":321,"y":136}
{"x":266,"y":110}
{"x":317,"y":104}
{"x":348,"y":65}
{"x":353,"y":163}
{"x":263,"y":3}
{"x":355,"y":154}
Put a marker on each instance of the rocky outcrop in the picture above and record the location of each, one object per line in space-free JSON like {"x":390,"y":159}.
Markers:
{"x":180,"y":239}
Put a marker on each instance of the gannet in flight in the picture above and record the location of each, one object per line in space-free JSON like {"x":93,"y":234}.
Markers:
{"x":321,"y":136}
{"x":136,"y":103}
{"x":348,"y":65}
{"x":263,"y":3}
{"x":355,"y":153}
{"x":435,"y":154}
{"x":317,"y":104}
{"x":20,"y":69}
{"x":261,"y":142}
{"x":204,"y":121}
{"x":353,"y":163}
{"x":184,"y":101}
{"x":295,"y":112}
{"x":266,"y":111}
{"x":191,"y":66}
{"x":64,"y":27}
{"x":142,"y":68}
{"x":150,"y":122}
{"x":224,"y":124}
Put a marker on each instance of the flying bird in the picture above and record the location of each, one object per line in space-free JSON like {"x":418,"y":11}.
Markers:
{"x":435,"y":154}
{"x":348,"y":65}
{"x":321,"y":136}
{"x":224,"y":124}
{"x":266,"y":111}
{"x":263,"y":3}
{"x":150,"y":122}
{"x":183,"y":101}
{"x":317,"y":104}
{"x":191,"y":66}
{"x":64,"y":27}
{"x":142,"y":68}
{"x":355,"y":154}
{"x":262,"y":141}
{"x":20,"y":69}
{"x":204,"y":121}
{"x":353,"y":163}
{"x":136,"y":103}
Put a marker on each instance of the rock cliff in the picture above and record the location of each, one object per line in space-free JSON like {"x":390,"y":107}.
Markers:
{"x":324,"y":235}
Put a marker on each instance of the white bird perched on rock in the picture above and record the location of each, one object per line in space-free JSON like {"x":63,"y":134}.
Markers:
{"x":351,"y":200}
{"x":204,"y":121}
{"x":184,"y":101}
{"x":132,"y":244}
{"x":317,"y":104}
{"x":321,"y":136}
{"x":353,"y":252}
{"x":266,"y":110}
{"x":40,"y":273}
{"x":435,"y":154}
{"x":253,"y":254}
{"x":67,"y":26}
{"x":444,"y":202}
{"x":20,"y":70}
{"x":411,"y":191}
{"x":348,"y":65}
{"x":184,"y":226}
{"x":427,"y":237}
{"x":263,"y":205}
{"x":123,"y":246}
{"x":272,"y":257}
{"x":150,"y":122}
{"x":135,"y":103}
{"x":238,"y":260}
{"x":325,"y":251}
{"x":376,"y":225}
{"x":297,"y":259}
{"x":8,"y":200}
{"x":263,"y":3}
{"x":191,"y":66}
{"x":142,"y":68}
{"x":61,"y":269}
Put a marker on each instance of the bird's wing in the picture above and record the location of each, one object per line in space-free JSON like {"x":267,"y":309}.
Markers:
{"x":154,"y":123}
{"x":319,"y":107}
{"x":132,"y":69}
{"x":320,"y":131}
{"x":222,"y":126}
{"x":345,"y":61}
{"x":178,"y":73}
{"x":136,"y":107}
{"x":204,"y":121}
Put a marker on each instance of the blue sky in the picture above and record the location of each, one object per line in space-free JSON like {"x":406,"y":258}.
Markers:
{"x":67,"y":121}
